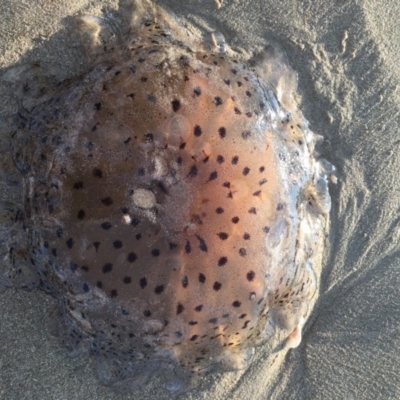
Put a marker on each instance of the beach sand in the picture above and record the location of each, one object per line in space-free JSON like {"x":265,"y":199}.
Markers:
{"x":347,"y":56}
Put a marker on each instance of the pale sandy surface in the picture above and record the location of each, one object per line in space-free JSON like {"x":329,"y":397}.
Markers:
{"x":347,"y":55}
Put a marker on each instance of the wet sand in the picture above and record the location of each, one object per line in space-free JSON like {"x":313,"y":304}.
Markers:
{"x":347,"y":56}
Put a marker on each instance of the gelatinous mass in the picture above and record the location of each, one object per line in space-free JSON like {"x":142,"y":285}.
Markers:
{"x":173,"y":204}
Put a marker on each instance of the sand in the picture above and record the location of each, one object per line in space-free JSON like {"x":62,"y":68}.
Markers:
{"x":347,"y":56}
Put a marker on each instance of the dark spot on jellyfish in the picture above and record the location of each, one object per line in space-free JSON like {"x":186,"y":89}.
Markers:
{"x":261,"y":169}
{"x":96,"y":245}
{"x":114,"y":293}
{"x":237,"y":111}
{"x":249,"y":114}
{"x":155,"y":252}
{"x":138,"y":236}
{"x":197,"y":92}
{"x":252,"y":210}
{"x":179,"y":161}
{"x":242,"y":316}
{"x":239,"y":83}
{"x":73,"y":266}
{"x":141,"y":171}
{"x":135,"y":222}
{"x":227,"y":81}
{"x":226,"y":184}
{"x":193,"y":171}
{"x":176,"y":105}
{"x":143,"y":282}
{"x":262,"y":182}
{"x":107,"y":201}
{"x":117,"y":244}
{"x":97,"y":172}
{"x":159,"y":289}
{"x":117,"y":73}
{"x":219,"y":210}
{"x":220,"y":159}
{"x":127,"y":140}
{"x":217,"y":101}
{"x":185,"y":281}
{"x":99,"y":284}
{"x":250,"y":276}
{"x":206,"y":159}
{"x":246,"y":134}
{"x":194,"y":337}
{"x":85,"y":287}
{"x":149,"y":137}
{"x":202,"y":278}
{"x":81,"y":214}
{"x":235,"y":220}
{"x":143,"y":79}
{"x":222,"y":261}
{"x":217,"y":286}
{"x":198,"y":308}
{"x":70,"y":243}
{"x":213,"y":176}
{"x":213,"y":320}
{"x":132,"y":257}
{"x":172,"y":246}
{"x":282,"y":157}
{"x":234,"y":71}
{"x":202,"y":244}
{"x":78,"y":185}
{"x":300,"y":142}
{"x":97,"y":106}
{"x":107,"y":268}
{"x":245,"y":171}
{"x":257,"y":193}
{"x":248,"y":94}
{"x":245,"y":324}
{"x":242,"y":252}
{"x":246,"y":236}
{"x":235,"y":160}
{"x":54,"y":252}
{"x":179,"y":308}
{"x":236,"y":303}
{"x":188,"y":247}
{"x":147,"y":313}
{"x":266,"y":229}
{"x":106,"y":226}
{"x":222,"y":132}
{"x":197,"y":131}
{"x":223,"y":235}
{"x":127,"y":280}
{"x":186,"y":78}
{"x":131,"y":95}
{"x":279,"y":207}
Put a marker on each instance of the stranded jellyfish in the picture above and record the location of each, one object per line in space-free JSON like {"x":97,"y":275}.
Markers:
{"x":172,"y":202}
